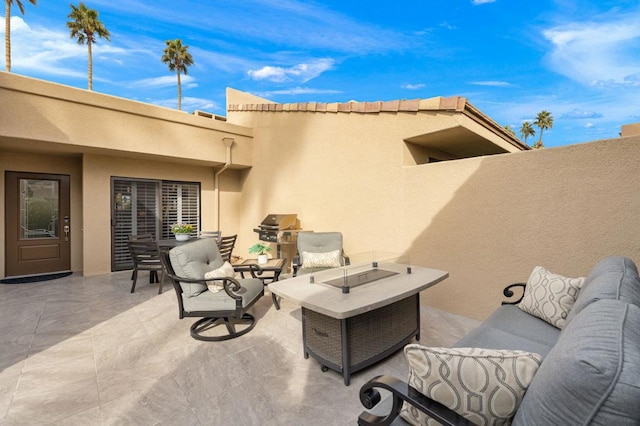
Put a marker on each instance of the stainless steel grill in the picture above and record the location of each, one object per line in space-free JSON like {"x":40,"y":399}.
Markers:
{"x":279,"y":228}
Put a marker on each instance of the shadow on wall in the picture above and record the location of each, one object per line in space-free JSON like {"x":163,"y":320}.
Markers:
{"x":562,"y":208}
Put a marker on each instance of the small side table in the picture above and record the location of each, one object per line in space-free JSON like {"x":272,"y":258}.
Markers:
{"x":273,"y":268}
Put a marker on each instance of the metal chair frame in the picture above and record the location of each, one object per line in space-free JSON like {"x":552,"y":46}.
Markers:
{"x":210,"y":319}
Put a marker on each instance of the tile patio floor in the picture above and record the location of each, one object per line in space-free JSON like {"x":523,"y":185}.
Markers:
{"x":84,"y":351}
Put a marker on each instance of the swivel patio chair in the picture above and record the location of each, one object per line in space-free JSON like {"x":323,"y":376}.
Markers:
{"x":187,"y":266}
{"x":146,"y":257}
{"x":226,"y":245}
{"x":318,"y":251}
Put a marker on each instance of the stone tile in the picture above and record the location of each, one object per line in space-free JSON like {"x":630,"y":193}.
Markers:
{"x":90,"y":417}
{"x":104,"y":339}
{"x":48,"y":350}
{"x":113,"y":384}
{"x":135,"y":353}
{"x":40,"y":404}
{"x":160,"y":403}
{"x":84,"y":351}
{"x":8,"y":385}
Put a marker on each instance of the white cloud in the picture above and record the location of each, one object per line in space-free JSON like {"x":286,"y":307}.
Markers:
{"x":580,"y":114}
{"x":52,"y":52}
{"x":164,"y":81}
{"x":478,"y":2}
{"x":601,"y":52}
{"x":188,"y":104}
{"x":298,"y":91}
{"x":301,"y":72}
{"x":491,"y":83}
{"x":410,"y":86}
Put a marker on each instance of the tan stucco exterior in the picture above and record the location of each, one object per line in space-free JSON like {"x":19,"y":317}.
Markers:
{"x":487,"y":220}
{"x":50,"y":128}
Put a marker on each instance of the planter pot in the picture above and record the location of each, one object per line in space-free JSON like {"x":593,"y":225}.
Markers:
{"x":182,"y":237}
{"x":262,"y":259}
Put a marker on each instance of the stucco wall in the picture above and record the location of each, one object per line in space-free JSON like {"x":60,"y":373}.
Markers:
{"x":75,"y":120}
{"x":97,"y":172}
{"x":487,"y":220}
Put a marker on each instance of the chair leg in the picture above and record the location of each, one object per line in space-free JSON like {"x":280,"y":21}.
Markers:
{"x":161,"y":281}
{"x":207,"y":323}
{"x":134,"y":277}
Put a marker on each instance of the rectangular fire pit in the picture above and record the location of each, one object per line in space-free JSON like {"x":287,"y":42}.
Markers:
{"x":348,"y":332}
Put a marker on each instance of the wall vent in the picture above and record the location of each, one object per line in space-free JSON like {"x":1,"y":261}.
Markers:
{"x":209,"y":115}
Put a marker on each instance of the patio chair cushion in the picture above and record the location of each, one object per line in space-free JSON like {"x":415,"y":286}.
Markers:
{"x":330,"y":259}
{"x":613,"y":278}
{"x":226,"y":270}
{"x":592,"y":375}
{"x":220,"y":301}
{"x":193,"y":260}
{"x":550,"y":296}
{"x":483,"y":385}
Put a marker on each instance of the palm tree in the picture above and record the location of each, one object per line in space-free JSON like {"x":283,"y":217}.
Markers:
{"x":527,"y":130}
{"x":544,"y":120}
{"x":7,"y":30}
{"x":178,"y":59}
{"x":85,"y":26}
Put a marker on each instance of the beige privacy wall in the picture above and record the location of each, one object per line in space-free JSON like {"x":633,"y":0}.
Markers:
{"x":487,"y":220}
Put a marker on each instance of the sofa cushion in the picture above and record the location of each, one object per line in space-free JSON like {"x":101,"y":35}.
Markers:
{"x":512,"y":319}
{"x":193,"y":260}
{"x":550,"y":296}
{"x":613,"y":278}
{"x":492,"y":338}
{"x":482,"y":385}
{"x":592,"y":375}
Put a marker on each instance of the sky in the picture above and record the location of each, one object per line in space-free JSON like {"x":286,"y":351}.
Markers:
{"x":578,"y":59}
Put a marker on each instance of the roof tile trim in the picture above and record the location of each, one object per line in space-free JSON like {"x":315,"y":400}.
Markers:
{"x":454,"y":103}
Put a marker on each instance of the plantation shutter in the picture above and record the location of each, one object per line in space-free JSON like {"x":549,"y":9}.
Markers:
{"x":149,"y":207}
{"x":180,"y":204}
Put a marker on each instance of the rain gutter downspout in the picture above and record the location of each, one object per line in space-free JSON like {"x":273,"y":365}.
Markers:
{"x":228,"y":142}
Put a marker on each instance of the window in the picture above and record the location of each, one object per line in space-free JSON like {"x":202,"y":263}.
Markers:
{"x":149,"y":207}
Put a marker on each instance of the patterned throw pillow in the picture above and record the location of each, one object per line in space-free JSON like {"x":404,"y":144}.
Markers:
{"x":330,"y":259}
{"x":549,"y":296}
{"x":485,"y":386}
{"x":226,"y":270}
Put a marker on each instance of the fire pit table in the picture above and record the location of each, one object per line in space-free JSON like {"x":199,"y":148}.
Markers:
{"x":357,"y":315}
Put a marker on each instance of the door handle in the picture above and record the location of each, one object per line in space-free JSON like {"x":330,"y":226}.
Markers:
{"x":66,"y":232}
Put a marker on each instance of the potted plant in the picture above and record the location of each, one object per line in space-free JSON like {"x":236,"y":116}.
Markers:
{"x":182,"y":231}
{"x":261,"y":249}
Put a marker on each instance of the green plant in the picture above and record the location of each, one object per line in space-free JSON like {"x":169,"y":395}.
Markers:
{"x":260,"y":248}
{"x":182,"y":228}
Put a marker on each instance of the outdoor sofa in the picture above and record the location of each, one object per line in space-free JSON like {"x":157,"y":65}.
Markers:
{"x":517,"y":367}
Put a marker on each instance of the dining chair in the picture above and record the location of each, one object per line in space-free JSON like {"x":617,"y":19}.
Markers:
{"x":146,"y":257}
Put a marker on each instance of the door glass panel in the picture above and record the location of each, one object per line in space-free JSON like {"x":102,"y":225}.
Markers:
{"x":39,"y":205}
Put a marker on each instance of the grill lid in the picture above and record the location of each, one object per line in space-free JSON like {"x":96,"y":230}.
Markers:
{"x":279,"y":221}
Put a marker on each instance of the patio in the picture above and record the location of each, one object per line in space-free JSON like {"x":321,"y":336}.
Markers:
{"x":83,"y":350}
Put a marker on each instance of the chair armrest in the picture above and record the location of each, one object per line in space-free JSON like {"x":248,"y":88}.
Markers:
{"x":231,"y":285}
{"x":254,"y":269}
{"x":402,"y":391}
{"x":508,"y":292}
{"x":346,"y":259}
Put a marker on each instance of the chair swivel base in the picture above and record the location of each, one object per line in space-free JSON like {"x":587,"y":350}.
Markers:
{"x":204,"y":324}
